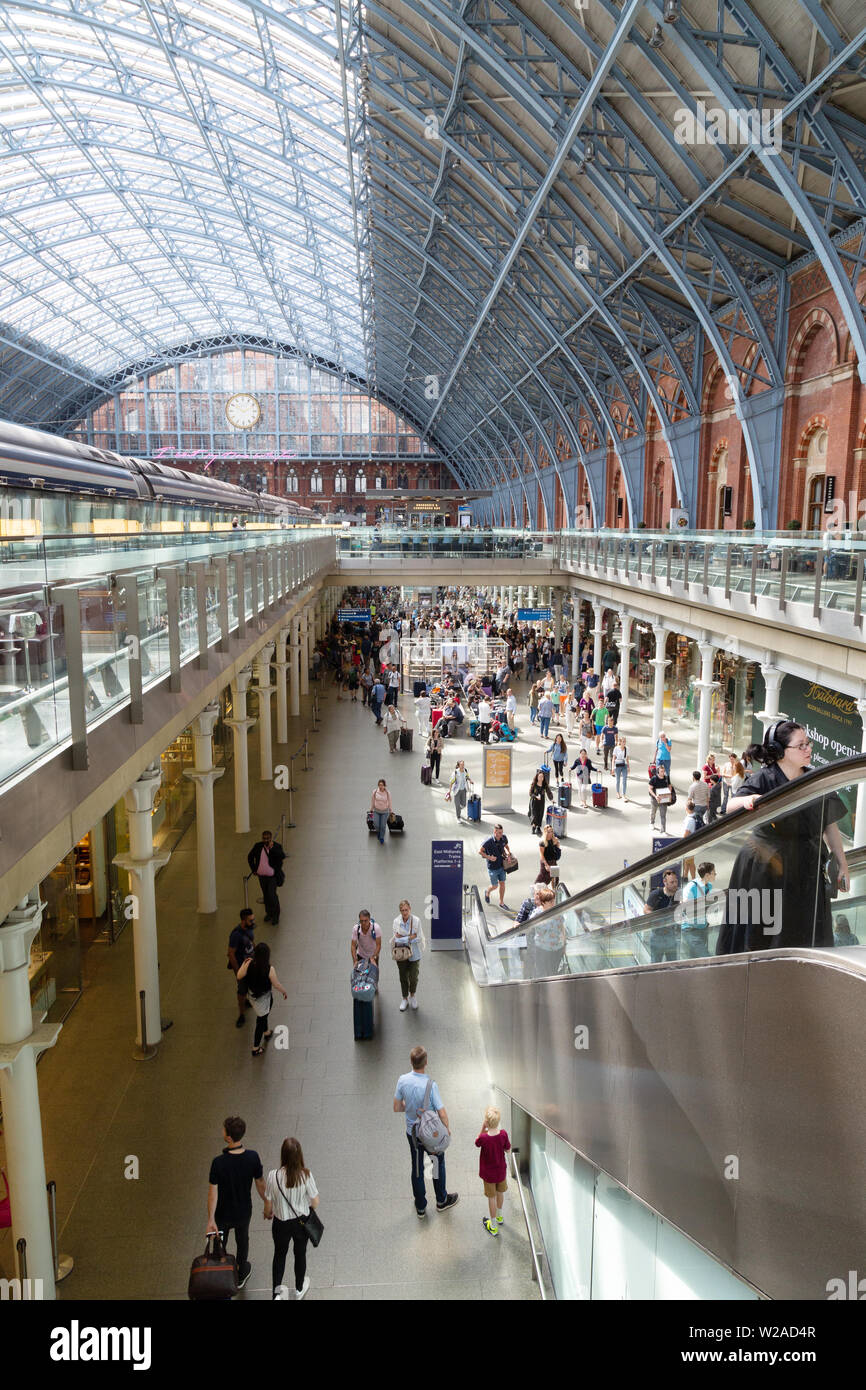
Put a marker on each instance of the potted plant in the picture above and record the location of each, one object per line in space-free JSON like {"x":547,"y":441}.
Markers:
{"x":748,"y":525}
{"x":795,"y":525}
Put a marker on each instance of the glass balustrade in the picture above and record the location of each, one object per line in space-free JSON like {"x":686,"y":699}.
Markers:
{"x":788,"y":873}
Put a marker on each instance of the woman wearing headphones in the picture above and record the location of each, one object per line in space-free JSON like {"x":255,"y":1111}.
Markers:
{"x":784,"y":859}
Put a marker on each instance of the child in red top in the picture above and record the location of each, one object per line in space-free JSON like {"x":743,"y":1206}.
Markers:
{"x":494,"y":1145}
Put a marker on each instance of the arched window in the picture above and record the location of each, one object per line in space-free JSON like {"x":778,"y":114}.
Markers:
{"x":402,"y":480}
{"x":291,"y":481}
{"x":381,"y":481}
{"x":315,"y":481}
{"x":816,"y":481}
{"x":339,"y":481}
{"x":360,"y":481}
{"x":423,"y":479}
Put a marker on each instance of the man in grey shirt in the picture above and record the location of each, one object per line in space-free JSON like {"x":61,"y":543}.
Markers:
{"x":699,"y":793}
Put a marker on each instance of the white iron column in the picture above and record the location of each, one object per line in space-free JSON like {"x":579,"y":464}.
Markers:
{"x":773,"y":678}
{"x":706,"y":685}
{"x":556,"y":603}
{"x":282,"y":667}
{"x":142,"y":862}
{"x":240,"y":726}
{"x":295,"y":669}
{"x":305,"y":649}
{"x":575,"y":637}
{"x":204,"y":774}
{"x":511,"y":598}
{"x":264,"y":690}
{"x":20,"y":1044}
{"x":659,"y":665}
{"x":598,"y":634}
{"x":625,"y":645}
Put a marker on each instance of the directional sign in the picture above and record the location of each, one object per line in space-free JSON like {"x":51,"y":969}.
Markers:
{"x":353,"y":615}
{"x":534,"y":615}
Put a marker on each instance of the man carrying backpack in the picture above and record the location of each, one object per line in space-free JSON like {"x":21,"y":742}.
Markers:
{"x":427,"y":1130}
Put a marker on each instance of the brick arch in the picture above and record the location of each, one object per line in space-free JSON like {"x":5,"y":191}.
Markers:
{"x":816,"y":422}
{"x":850,"y":355}
{"x":816,"y":319}
{"x":709,"y":387}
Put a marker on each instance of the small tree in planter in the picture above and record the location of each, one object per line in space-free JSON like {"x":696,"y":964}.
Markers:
{"x":795,"y":525}
{"x":748,"y":525}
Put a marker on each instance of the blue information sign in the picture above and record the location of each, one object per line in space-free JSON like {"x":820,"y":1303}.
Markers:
{"x":534,"y":615}
{"x":446,"y":887}
{"x":353,"y":615}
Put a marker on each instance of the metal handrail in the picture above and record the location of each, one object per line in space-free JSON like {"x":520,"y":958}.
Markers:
{"x":805,"y":789}
{"x":536,"y":1264}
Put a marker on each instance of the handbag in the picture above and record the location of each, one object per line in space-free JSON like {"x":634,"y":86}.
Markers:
{"x":399,"y":953}
{"x":509,"y":863}
{"x":312,"y":1223}
{"x":213,"y":1276}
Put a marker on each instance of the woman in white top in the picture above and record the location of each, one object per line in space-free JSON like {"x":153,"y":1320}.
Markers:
{"x":392,"y":724}
{"x":733,"y":777}
{"x":458,"y":788}
{"x":290,"y":1195}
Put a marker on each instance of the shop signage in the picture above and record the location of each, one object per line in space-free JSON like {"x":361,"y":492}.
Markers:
{"x":830,"y":718}
{"x":207,"y":456}
{"x":446,"y":887}
{"x":534,"y":615}
{"x":353,"y":615}
{"x":497,"y":767}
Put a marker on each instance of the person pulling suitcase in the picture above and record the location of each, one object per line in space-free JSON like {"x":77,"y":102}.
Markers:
{"x":365,"y":945}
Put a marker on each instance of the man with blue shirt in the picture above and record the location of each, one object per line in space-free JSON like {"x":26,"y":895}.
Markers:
{"x":408,"y":1100}
{"x":377,"y":697}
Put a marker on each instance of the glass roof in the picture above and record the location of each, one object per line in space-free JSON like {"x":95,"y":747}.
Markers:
{"x":174,"y":171}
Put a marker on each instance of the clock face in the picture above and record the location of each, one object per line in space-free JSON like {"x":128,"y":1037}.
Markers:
{"x":243,"y":411}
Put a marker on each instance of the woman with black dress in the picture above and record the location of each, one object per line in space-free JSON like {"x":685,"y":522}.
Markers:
{"x":785,"y":858}
{"x":538,"y":790}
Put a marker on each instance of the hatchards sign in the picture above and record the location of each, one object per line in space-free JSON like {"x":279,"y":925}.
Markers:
{"x":830,"y":718}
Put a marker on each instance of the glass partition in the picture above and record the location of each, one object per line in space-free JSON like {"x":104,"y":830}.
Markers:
{"x":791,"y":872}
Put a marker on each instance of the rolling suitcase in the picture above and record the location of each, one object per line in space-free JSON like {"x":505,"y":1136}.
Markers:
{"x":419,"y":688}
{"x":563,"y":795}
{"x":213,"y":1277}
{"x":558,"y":818}
{"x":599,"y":796}
{"x":406,"y":740}
{"x":435,"y":716}
{"x":426,"y":775}
{"x":473,"y":807}
{"x":395,"y":824}
{"x":371,"y":823}
{"x":362,"y":1014}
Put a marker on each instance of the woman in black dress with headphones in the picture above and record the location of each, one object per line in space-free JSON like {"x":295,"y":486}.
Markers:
{"x":785,"y":857}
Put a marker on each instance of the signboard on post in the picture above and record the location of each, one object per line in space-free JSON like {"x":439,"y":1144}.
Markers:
{"x":353,"y":615}
{"x":496,"y":784}
{"x":446,"y":887}
{"x":534,"y":615}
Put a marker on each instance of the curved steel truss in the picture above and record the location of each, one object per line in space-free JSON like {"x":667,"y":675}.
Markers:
{"x":531,"y":228}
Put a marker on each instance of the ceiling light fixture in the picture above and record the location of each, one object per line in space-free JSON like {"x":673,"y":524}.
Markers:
{"x":656,"y":38}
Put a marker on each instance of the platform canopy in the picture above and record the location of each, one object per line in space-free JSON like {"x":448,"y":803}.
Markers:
{"x":525,"y":227}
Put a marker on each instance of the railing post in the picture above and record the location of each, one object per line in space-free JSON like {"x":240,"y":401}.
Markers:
{"x":783,"y":580}
{"x":63,"y":1264}
{"x":727,"y":572}
{"x":127,"y":584}
{"x":858,"y":593}
{"x":756,"y":555}
{"x":172,"y":605}
{"x":816,"y":605}
{"x":71,"y":605}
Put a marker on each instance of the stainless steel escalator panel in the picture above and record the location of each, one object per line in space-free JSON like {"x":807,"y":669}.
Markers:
{"x":685,"y":1117}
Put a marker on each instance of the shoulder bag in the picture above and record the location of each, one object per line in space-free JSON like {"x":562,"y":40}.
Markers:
{"x":312,"y":1222}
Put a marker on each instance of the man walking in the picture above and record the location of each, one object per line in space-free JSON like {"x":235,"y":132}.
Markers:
{"x":408,"y":1100}
{"x":377,"y":697}
{"x":265,"y":860}
{"x":229,"y":1195}
{"x":494,"y":851}
{"x":545,"y":714}
{"x":241,"y":943}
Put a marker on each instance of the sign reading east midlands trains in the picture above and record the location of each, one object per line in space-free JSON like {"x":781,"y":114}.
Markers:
{"x":534,"y":615}
{"x":353,"y":615}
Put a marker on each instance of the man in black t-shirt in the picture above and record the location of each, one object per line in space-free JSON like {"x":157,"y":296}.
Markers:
{"x":495,"y":851}
{"x":664,"y":942}
{"x":229,"y":1196}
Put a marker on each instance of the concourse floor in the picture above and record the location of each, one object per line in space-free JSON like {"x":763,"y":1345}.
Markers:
{"x":134,"y":1237}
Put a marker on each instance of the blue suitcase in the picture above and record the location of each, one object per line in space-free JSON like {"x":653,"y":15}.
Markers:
{"x":473,"y":807}
{"x":558,"y":818}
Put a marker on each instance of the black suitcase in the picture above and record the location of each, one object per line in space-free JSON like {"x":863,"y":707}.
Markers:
{"x":406,"y":736}
{"x":426,"y":775}
{"x":362,"y":1013}
{"x":395,"y":824}
{"x":371,"y":823}
{"x":419,"y":688}
{"x":563,"y":795}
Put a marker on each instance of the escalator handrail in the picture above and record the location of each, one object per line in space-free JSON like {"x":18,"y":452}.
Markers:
{"x":794,"y":795}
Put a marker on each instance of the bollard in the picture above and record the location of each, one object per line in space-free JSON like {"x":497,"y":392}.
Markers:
{"x":63,"y":1264}
{"x":21,"y":1247}
{"x":145,"y":1052}
{"x":245,"y":878}
{"x":291,"y":821}
{"x":307,"y":750}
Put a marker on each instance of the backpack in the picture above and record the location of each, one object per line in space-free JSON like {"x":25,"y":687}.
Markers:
{"x":430,"y":1132}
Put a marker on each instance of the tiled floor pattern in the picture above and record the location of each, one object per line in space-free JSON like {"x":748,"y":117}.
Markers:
{"x":134,"y":1238}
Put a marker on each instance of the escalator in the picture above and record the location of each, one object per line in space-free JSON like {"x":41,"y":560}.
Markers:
{"x":721,"y":1096}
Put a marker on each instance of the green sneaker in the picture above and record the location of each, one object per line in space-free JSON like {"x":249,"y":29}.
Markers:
{"x":489,"y":1227}
{"x":500,"y":1219}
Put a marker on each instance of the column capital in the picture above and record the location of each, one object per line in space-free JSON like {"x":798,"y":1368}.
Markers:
{"x":144,"y":868}
{"x":17,"y":932}
{"x":205,"y":776}
{"x":141,"y":795}
{"x":44,"y":1035}
{"x":206,"y":719}
{"x":241,"y":681}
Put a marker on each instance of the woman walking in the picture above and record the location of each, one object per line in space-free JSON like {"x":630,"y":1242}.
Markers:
{"x":435,"y":746}
{"x":290,"y":1195}
{"x":583,"y":770}
{"x":538,"y":790}
{"x":533,"y":703}
{"x":621,"y":768}
{"x":587,"y":732}
{"x":407,"y":943}
{"x":261,"y":980}
{"x":550,"y":853}
{"x":558,"y":752}
{"x":381,"y":808}
{"x":391,"y":725}
{"x":458,"y":788}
